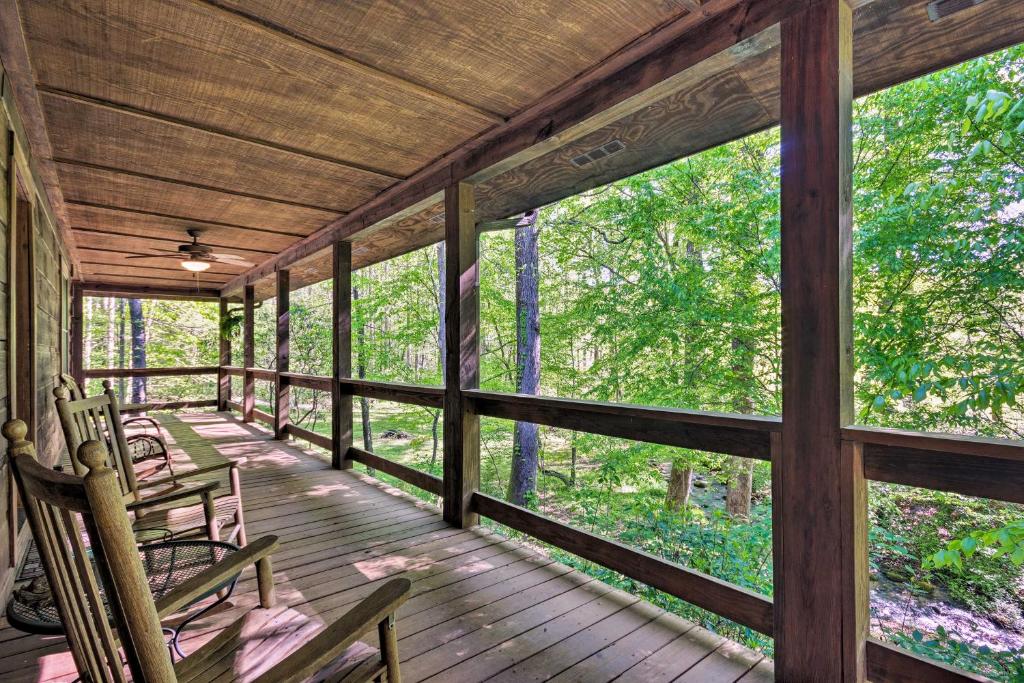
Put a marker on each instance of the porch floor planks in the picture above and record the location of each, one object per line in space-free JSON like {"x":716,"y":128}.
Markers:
{"x":482,"y":607}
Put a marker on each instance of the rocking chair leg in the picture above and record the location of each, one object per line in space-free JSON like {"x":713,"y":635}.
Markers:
{"x":388,"y":637}
{"x":236,"y":491}
{"x":265,"y":582}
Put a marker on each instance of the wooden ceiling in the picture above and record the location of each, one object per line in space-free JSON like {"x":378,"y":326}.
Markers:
{"x":261,"y":122}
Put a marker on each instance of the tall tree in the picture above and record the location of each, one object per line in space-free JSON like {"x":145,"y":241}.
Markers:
{"x":526,"y":438}
{"x":122,"y":384}
{"x":138,"y":349}
{"x":364,"y":403}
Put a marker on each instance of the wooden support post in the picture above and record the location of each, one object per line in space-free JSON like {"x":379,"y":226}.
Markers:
{"x":76,"y":343}
{"x":808,"y":478}
{"x":462,"y":355}
{"x":248,"y":353}
{"x":23,"y":336}
{"x":341,"y":342}
{"x":223,"y":378}
{"x":282,"y":405}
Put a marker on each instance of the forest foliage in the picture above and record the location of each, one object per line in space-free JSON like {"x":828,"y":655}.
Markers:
{"x":664,"y":289}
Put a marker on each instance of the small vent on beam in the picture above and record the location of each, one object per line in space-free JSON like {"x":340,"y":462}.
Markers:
{"x":602,"y":152}
{"x":940,"y":9}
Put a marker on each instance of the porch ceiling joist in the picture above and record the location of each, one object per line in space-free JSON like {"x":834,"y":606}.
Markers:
{"x":692,"y":86}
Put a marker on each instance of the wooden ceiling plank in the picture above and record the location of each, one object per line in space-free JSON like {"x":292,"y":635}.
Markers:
{"x":344,"y":59}
{"x":263,"y":233}
{"x":143,"y":243}
{"x":106,"y":257}
{"x":142,"y":272}
{"x":113,"y":189}
{"x":213,"y":130}
{"x":140,"y":285}
{"x":84,"y":131}
{"x":185,"y":61}
{"x":60,"y":161}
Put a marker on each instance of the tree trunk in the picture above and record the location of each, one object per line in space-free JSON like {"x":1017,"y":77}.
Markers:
{"x":138,"y":349}
{"x":87,"y":334}
{"x":110,"y":332}
{"x":441,"y":294}
{"x":679,"y":480}
{"x":364,"y":403}
{"x":741,"y":470}
{"x":122,"y":382}
{"x":526,"y":440}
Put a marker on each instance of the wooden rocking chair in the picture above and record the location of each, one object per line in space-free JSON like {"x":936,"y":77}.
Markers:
{"x":180,"y":505}
{"x":57,"y":503}
{"x":145,"y":446}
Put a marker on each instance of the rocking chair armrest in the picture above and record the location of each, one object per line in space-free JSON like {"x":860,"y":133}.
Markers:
{"x":188,"y":491}
{"x":338,"y":636}
{"x":211,"y":578}
{"x":178,"y":476}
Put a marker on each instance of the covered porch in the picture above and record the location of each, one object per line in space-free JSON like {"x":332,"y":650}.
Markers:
{"x":482,"y":607}
{"x":306,"y":142}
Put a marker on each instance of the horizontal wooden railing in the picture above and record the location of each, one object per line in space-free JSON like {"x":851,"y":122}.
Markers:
{"x":431,"y":397}
{"x":424,"y":480}
{"x":733,"y":434}
{"x":732,"y":602}
{"x":976,"y":466}
{"x":166,"y":405}
{"x":308,"y":435}
{"x":261,"y":374}
{"x":317,"y":382}
{"x":105,"y":373}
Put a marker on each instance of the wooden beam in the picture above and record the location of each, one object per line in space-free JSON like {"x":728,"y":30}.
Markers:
{"x":224,"y":355}
{"x":424,"y":480}
{"x":744,"y":435}
{"x":282,"y":404}
{"x":808,"y":479}
{"x":213,"y":130}
{"x":341,"y":353}
{"x":462,"y":355}
{"x":738,"y":604}
{"x":77,"y":341}
{"x":23,"y":336}
{"x":248,"y":353}
{"x":314,"y":438}
{"x":315,"y":382}
{"x":105,"y":373}
{"x":146,"y":292}
{"x":60,"y":161}
{"x":428,"y":397}
{"x":672,"y":48}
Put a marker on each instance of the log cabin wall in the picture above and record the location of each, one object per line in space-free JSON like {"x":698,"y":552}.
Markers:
{"x":49,"y":277}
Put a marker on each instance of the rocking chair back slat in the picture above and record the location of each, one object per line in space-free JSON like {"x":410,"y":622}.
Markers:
{"x":56,"y":504}
{"x":97,"y":418}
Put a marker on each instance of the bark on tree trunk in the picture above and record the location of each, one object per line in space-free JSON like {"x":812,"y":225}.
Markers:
{"x":122,"y":383}
{"x":441,"y":294}
{"x":526,"y":441}
{"x":679,"y":480}
{"x":364,"y":403}
{"x":741,"y":470}
{"x":87,"y":334}
{"x":138,"y":349}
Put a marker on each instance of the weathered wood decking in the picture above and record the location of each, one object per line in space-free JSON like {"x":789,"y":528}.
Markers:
{"x":483,"y":608}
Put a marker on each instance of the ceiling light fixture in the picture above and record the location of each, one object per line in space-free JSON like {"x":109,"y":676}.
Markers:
{"x":195,"y":265}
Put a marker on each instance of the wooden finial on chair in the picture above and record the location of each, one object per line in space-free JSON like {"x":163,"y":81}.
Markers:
{"x":106,"y":385}
{"x":15,"y":431}
{"x":93,"y":455}
{"x":61,"y":392}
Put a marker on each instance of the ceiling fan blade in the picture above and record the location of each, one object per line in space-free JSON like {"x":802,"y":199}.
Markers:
{"x":232,"y":260}
{"x":169,"y":254}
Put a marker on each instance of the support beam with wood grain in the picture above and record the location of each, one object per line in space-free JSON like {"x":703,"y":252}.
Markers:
{"x":341,"y":352}
{"x":224,"y":337}
{"x":23,"y":337}
{"x":812,"y":531}
{"x":462,"y":355}
{"x":248,"y":352}
{"x":282,"y":402}
{"x":77,"y":342}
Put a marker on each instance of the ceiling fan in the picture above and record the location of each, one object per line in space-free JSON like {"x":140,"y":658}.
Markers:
{"x":195,"y":256}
